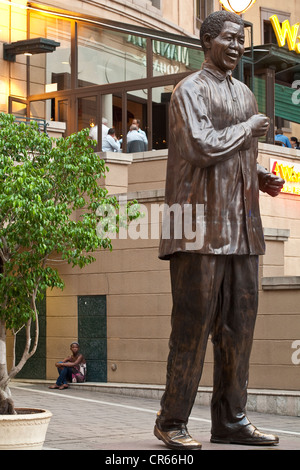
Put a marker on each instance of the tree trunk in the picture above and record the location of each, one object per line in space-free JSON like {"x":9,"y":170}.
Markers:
{"x":6,"y":403}
{"x":3,"y":363}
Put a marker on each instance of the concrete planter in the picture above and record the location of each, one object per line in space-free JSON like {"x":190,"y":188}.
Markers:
{"x":24,"y":431}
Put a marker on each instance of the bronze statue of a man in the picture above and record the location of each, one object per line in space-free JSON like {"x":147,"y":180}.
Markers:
{"x":212,"y":163}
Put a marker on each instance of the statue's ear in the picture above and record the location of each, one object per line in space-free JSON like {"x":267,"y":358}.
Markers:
{"x":207,"y":41}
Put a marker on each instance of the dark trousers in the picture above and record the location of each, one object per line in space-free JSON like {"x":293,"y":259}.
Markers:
{"x":217,"y":295}
{"x":65,"y":375}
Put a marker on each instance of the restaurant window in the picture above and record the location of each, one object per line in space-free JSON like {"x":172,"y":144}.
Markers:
{"x":126,"y":85}
{"x":106,"y":56}
{"x":161,"y":97}
{"x":267,"y":31}
{"x":41,"y":112}
{"x":87,"y":112}
{"x":282,"y":123}
{"x":18,"y":107}
{"x":269,"y":34}
{"x":156,"y":3}
{"x":171,"y":58}
{"x":100,"y":113}
{"x":41,"y":109}
{"x":50,"y":72}
{"x":137,"y":107}
{"x":203,"y":9}
{"x":62,"y":109}
{"x":114,"y":119}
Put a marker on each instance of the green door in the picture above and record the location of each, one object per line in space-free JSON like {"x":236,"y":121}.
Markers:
{"x":92,"y":335}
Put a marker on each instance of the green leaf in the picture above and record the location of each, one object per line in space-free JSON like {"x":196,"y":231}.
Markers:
{"x":49,"y":198}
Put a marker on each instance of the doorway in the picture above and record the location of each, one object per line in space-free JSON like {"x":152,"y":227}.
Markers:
{"x":92,"y":335}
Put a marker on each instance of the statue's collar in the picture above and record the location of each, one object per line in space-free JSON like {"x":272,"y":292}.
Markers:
{"x":219,"y":74}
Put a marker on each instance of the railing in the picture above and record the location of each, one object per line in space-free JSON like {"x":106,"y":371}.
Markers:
{"x":42,"y":123}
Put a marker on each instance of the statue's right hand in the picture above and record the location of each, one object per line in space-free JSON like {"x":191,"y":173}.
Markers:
{"x":259,"y":124}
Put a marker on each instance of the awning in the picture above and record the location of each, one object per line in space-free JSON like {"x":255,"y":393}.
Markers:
{"x":286,"y":65}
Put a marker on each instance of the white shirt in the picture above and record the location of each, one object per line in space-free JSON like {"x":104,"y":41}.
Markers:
{"x":94,"y":132}
{"x":109,"y":144}
{"x":136,"y":135}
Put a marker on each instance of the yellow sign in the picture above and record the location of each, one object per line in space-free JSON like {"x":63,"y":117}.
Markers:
{"x":286,"y":33}
{"x":290,"y":172}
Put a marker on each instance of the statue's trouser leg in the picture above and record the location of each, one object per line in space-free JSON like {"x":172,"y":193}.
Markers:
{"x":232,"y":337}
{"x":209,"y":293}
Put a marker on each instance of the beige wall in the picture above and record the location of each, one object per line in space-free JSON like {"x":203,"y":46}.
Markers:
{"x":137,"y":287}
{"x":12,"y":75}
{"x":135,"y":282}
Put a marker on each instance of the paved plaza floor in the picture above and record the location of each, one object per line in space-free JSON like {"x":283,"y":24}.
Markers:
{"x":123,"y":425}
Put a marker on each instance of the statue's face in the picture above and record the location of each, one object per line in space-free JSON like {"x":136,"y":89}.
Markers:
{"x":226,"y":49}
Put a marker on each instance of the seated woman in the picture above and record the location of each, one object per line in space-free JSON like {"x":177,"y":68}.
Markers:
{"x":71,"y":369}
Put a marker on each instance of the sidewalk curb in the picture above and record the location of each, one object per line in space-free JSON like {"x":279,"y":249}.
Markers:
{"x":278,"y":402}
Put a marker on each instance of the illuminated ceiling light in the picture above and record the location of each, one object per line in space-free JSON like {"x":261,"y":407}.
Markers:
{"x":28,"y":47}
{"x":237,"y":6}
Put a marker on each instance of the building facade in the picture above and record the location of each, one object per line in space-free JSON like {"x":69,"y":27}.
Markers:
{"x":117,"y":61}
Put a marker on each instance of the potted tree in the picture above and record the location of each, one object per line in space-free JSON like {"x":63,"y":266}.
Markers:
{"x":49,"y":201}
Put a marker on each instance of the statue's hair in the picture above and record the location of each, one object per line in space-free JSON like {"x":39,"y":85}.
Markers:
{"x":214,"y":23}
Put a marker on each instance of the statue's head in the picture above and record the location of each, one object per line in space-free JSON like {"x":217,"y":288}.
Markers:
{"x":222,"y":38}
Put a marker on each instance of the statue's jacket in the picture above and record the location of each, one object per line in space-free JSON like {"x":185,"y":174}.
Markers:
{"x":213,"y":178}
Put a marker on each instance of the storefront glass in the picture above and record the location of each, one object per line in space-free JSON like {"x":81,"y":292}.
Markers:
{"x":87,"y":112}
{"x":100,"y":113}
{"x":107,"y":76}
{"x":161,"y":97}
{"x":41,"y":109}
{"x":108,"y":57}
{"x":137,"y":108}
{"x":18,"y":108}
{"x":173,"y":58}
{"x":40,"y":112}
{"x":137,"y":116}
{"x":63,"y":110}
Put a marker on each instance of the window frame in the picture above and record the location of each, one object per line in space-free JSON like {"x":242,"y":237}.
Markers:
{"x":266,"y":13}
{"x":155,"y":2}
{"x":208,"y":8}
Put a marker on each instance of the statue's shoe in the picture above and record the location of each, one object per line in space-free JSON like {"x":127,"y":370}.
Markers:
{"x":178,"y":438}
{"x":248,"y":435}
